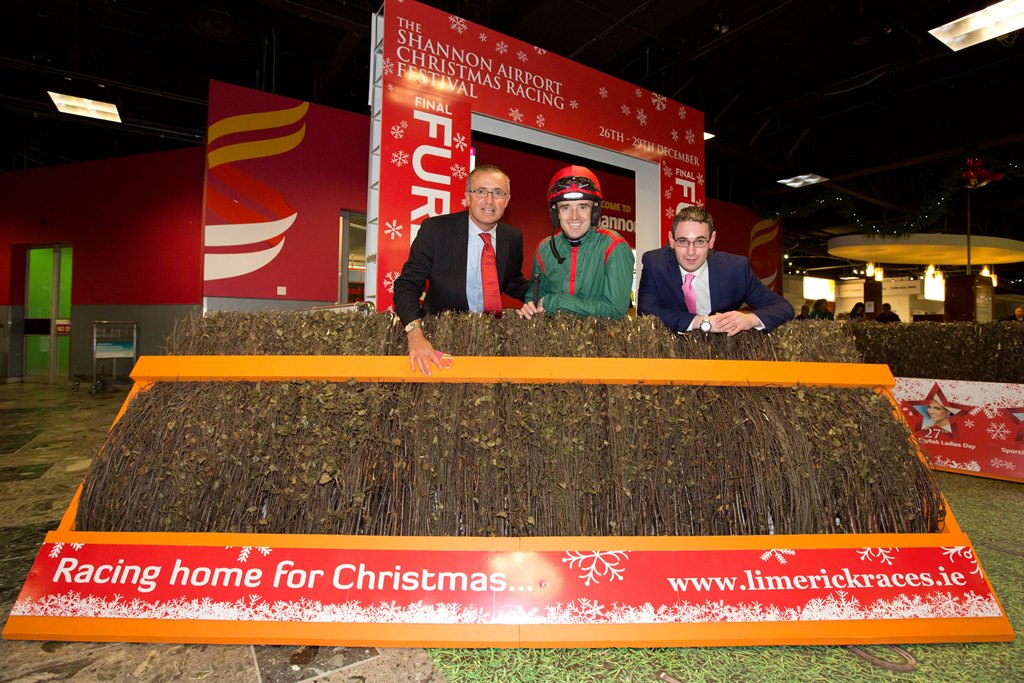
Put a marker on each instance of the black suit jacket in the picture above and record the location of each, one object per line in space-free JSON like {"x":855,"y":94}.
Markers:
{"x":732,"y":284}
{"x":439,"y":253}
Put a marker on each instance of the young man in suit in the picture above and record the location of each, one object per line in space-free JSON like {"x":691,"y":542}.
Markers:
{"x":469,"y":258}
{"x":692,"y":287}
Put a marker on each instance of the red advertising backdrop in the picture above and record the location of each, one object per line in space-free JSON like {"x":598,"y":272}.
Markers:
{"x":967,"y":427}
{"x":278,"y":175}
{"x":568,"y":586}
{"x":438,"y":70}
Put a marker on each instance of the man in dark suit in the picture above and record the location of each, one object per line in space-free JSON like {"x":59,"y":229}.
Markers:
{"x":690,"y":286}
{"x":450,"y":252}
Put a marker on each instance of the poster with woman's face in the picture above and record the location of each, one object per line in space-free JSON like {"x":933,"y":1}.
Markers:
{"x":967,"y":427}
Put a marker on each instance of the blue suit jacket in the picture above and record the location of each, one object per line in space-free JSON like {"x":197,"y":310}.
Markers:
{"x":438,"y":255}
{"x":732,"y":283}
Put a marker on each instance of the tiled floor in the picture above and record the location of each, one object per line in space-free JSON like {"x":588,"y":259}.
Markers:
{"x":48,"y":436}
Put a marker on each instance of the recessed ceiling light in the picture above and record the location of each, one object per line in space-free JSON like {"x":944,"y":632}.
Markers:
{"x":803,"y":180}
{"x":993,"y":21}
{"x":80,"y":106}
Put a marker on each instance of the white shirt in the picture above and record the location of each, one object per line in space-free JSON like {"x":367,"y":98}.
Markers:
{"x":702,"y":290}
{"x":474,"y":280}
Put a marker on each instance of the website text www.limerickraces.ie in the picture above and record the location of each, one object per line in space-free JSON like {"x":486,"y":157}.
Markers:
{"x":841,"y":580}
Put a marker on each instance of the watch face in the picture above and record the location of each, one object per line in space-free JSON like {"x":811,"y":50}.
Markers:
{"x":705,"y":326}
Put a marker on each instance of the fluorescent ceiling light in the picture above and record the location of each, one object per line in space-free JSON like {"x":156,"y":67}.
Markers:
{"x":79,"y":106}
{"x":803,"y":180}
{"x":708,"y":136}
{"x":993,"y":21}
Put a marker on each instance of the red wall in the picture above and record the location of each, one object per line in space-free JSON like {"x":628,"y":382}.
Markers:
{"x":133,"y":222}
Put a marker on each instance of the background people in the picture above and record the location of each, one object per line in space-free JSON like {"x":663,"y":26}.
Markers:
{"x":887,"y":315}
{"x":690,"y":286}
{"x":857,"y":312}
{"x":819,"y":311}
{"x":583,"y":269}
{"x":1018,"y":315}
{"x":451,"y":253}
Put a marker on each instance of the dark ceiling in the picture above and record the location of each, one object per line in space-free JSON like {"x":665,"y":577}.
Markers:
{"x":855,"y":91}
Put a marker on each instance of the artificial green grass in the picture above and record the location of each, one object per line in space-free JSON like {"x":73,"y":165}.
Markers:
{"x":991,"y":512}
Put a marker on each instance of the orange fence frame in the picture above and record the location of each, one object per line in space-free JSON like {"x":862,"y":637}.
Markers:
{"x":149,"y":370}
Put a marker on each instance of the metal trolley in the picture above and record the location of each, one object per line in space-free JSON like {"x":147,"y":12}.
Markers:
{"x":112,"y":339}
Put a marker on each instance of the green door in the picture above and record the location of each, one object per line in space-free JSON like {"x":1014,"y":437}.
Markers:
{"x":48,"y":314}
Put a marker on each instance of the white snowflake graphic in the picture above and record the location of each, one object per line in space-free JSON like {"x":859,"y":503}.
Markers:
{"x":515,"y":114}
{"x":625,"y":110}
{"x":573,"y":104}
{"x":522,"y":56}
{"x":675,"y":135}
{"x":388,"y":66}
{"x":660,"y":102}
{"x":998,"y":431}
{"x":638,"y":92}
{"x":458,"y":171}
{"x":682,"y":112}
{"x":1000,"y":464}
{"x":668,"y":192}
{"x":539,"y":50}
{"x":603,"y":92}
{"x":700,"y":178}
{"x":965,"y":552}
{"x":397,"y":132}
{"x":482,"y":37}
{"x":596,"y":564}
{"x":55,"y":550}
{"x":400,"y":158}
{"x":460,"y":142}
{"x":641,"y":116}
{"x":777,"y":554}
{"x":389,"y":280}
{"x":666,"y":171}
{"x":669,"y":213}
{"x":243,"y":554}
{"x":969,"y":424}
{"x":884,"y":555}
{"x":836,"y":606}
{"x":700,"y":202}
{"x":540,"y":120}
{"x":501,"y":47}
{"x":457,"y":24}
{"x":392,"y":229}
{"x":940,"y":461}
{"x":77,"y":546}
{"x":391,"y":87}
{"x":691,"y":137}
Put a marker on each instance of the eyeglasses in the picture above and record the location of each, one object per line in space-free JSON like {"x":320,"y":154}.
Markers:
{"x":481,"y":193}
{"x":699,"y":243}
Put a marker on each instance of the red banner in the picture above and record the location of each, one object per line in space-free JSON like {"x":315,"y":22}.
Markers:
{"x":484,"y":587}
{"x":439,"y":69}
{"x":967,"y":427}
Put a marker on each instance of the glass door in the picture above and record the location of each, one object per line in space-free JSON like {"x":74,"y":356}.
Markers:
{"x":48,"y":314}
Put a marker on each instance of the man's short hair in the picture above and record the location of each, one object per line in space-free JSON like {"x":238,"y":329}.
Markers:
{"x":697,"y":214}
{"x":487,"y":168}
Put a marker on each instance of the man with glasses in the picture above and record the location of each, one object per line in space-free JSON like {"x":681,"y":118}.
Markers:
{"x":470,"y":258}
{"x":690,"y":286}
{"x":583,"y":269}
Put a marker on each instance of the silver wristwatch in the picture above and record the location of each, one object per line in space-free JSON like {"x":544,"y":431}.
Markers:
{"x":705,"y":324}
{"x":412,"y":326}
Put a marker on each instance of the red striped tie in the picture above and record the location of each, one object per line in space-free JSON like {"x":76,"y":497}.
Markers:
{"x":489,"y":273}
